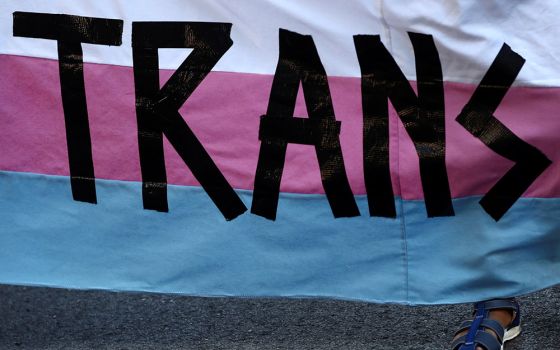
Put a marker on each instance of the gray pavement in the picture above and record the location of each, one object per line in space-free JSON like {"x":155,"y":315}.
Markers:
{"x":46,"y":318}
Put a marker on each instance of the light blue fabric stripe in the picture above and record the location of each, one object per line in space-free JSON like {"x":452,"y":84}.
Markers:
{"x":46,"y":238}
{"x":471,"y":257}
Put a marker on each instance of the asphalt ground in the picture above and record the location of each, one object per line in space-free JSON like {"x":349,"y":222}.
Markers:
{"x":48,"y":318}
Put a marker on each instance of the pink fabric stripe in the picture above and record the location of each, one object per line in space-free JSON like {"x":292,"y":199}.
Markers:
{"x":224,"y":113}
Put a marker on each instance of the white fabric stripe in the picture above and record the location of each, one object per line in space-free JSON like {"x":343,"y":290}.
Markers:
{"x":254,"y":31}
{"x":468,"y":33}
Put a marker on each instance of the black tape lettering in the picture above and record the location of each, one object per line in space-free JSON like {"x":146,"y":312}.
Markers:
{"x":157,"y":109}
{"x":299,"y":61}
{"x":422,"y":116}
{"x":477,"y":117}
{"x":70,"y":32}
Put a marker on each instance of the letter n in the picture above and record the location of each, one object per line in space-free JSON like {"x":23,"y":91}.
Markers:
{"x":423,"y":117}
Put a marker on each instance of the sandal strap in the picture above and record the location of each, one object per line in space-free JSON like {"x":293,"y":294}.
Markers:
{"x":487,"y":341}
{"x":456,"y":344}
{"x":495,"y":326}
{"x":482,"y":338}
{"x":508,"y":304}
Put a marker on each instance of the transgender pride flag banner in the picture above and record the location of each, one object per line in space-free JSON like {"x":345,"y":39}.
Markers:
{"x":387,"y":151}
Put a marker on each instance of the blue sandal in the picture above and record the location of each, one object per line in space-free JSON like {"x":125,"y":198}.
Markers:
{"x":478,"y":334}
